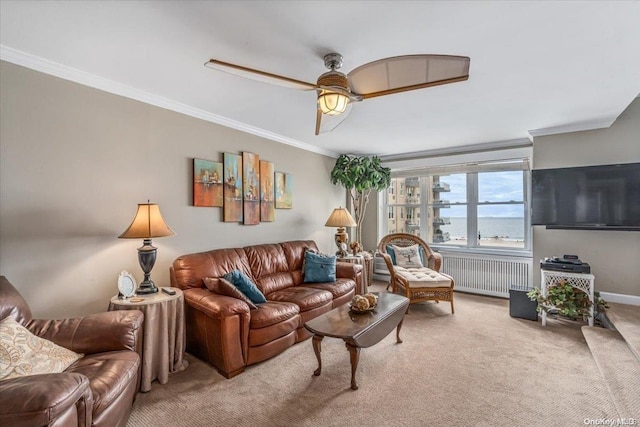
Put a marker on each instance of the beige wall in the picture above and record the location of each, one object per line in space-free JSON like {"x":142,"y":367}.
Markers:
{"x":74,"y":163}
{"x":614,"y":256}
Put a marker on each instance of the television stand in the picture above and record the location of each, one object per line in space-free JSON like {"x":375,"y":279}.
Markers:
{"x":582,"y":281}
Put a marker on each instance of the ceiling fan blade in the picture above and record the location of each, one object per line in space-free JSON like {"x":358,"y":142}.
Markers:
{"x":261,"y":76}
{"x":326,"y":122}
{"x":408,"y":72}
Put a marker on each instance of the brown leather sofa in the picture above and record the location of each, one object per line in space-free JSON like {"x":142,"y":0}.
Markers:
{"x":97,"y":390}
{"x":225,"y":332}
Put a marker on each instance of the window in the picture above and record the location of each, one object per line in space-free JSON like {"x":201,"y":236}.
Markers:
{"x":484,"y":206}
{"x":500,"y":211}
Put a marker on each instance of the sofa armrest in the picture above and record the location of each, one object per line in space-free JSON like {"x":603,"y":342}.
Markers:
{"x":49,"y":399}
{"x":348,"y":270}
{"x":94,"y":333}
{"x":214,"y":305}
{"x":217,"y":329}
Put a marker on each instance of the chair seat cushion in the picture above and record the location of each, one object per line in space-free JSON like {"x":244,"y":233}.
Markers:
{"x":423,"y":277}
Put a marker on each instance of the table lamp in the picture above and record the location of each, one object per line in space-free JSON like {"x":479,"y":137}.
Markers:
{"x":147,"y":223}
{"x":341,"y":218}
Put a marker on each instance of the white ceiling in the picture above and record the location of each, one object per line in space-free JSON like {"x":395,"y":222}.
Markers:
{"x":547,"y":66}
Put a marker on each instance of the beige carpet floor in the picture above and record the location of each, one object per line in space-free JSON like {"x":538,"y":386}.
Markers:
{"x":478,"y":367}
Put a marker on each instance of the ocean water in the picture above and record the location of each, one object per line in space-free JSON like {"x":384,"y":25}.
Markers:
{"x":506,"y":228}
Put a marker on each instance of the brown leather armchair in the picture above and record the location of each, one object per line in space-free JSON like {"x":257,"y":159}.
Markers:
{"x":97,"y":390}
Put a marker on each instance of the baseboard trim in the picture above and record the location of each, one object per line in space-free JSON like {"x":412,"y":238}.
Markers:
{"x":608,"y":296}
{"x":620,"y":298}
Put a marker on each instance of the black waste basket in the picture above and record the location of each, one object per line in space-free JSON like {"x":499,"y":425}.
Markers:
{"x":520,"y":305}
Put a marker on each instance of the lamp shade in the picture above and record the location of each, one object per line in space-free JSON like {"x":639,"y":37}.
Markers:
{"x":148,"y":223}
{"x":340,"y":217}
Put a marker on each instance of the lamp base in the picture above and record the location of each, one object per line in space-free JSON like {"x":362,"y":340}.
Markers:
{"x":146,"y":258}
{"x":342,"y":242}
{"x":147,"y":288}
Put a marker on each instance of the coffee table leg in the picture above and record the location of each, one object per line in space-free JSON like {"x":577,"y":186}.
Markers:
{"x":398,"y":332}
{"x":317,"y":340}
{"x":354,"y":355}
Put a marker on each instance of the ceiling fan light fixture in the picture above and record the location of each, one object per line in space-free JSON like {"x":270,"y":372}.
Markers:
{"x":332,"y":103}
{"x":329,"y":101}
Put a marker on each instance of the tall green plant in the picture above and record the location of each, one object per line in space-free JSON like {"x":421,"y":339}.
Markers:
{"x":360,"y":175}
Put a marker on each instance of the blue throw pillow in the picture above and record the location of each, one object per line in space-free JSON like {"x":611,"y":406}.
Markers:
{"x":319,"y":268}
{"x":392,"y":254}
{"x":246,"y":286}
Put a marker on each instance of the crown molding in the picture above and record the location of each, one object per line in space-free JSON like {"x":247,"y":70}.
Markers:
{"x":91,"y":80}
{"x":574,"y":127}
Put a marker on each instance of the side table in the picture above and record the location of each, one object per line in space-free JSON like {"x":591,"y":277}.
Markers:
{"x":163,"y":343}
{"x":358,"y":259}
{"x":580,"y":281}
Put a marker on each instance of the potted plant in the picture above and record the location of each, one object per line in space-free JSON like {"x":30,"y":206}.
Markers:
{"x":564,"y":299}
{"x":360,"y":175}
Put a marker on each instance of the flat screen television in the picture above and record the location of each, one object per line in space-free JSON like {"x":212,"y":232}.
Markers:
{"x":603,"y":197}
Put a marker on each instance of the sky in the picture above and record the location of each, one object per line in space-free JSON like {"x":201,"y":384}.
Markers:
{"x":492,"y":187}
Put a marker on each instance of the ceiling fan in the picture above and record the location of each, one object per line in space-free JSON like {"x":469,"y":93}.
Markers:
{"x":337,"y":92}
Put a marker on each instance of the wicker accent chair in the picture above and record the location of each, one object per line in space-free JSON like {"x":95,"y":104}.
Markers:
{"x":417,"y":284}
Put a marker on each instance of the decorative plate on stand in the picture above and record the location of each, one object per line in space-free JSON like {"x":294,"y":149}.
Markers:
{"x":126,"y":284}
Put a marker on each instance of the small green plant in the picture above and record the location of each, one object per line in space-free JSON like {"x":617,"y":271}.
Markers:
{"x":567,"y":301}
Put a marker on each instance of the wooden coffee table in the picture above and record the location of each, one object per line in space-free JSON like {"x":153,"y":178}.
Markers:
{"x":358,"y":330}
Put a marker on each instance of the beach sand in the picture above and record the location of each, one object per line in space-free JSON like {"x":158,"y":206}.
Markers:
{"x":489,"y":242}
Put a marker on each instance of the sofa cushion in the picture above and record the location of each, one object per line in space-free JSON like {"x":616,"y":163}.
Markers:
{"x":272,"y":312}
{"x":245,"y":285}
{"x":266,"y":259}
{"x":319,"y":267}
{"x":273,"y":321}
{"x":338,"y":288}
{"x":26,"y":354}
{"x":188,"y":270}
{"x":269,"y":267}
{"x":304,"y":297}
{"x":294,"y":252}
{"x":222,"y":286}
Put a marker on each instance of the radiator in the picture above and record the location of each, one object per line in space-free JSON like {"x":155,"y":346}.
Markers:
{"x":487,"y":274}
{"x":479,"y":274}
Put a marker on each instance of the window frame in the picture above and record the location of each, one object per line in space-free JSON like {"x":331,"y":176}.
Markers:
{"x":472,"y":244}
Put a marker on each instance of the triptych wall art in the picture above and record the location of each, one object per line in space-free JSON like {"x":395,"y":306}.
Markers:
{"x":247,"y":188}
